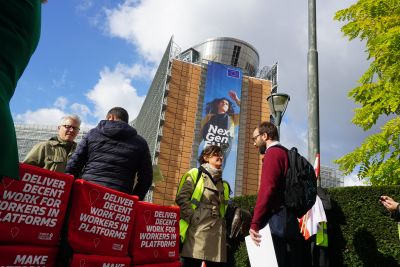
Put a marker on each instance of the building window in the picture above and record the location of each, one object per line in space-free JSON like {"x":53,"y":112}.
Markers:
{"x":235,"y":55}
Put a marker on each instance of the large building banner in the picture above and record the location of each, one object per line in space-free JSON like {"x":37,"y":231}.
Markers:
{"x":220,"y":115}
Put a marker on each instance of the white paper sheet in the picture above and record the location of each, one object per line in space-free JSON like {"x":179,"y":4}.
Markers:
{"x":264,"y":255}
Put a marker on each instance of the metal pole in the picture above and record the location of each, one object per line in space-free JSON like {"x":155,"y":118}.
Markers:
{"x":313,"y":94}
{"x":278,"y":118}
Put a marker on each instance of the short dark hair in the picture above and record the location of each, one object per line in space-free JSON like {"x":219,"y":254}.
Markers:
{"x":270,"y":129}
{"x":209,"y":151}
{"x":120,"y":113}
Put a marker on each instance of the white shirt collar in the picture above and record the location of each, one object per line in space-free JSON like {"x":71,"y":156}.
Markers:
{"x":274,"y":143}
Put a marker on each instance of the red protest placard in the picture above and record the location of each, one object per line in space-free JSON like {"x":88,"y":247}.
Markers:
{"x":32,"y":210}
{"x":81,"y":260}
{"x":163,"y":264}
{"x":101,"y":220}
{"x":155,"y":234}
{"x":17,"y":256}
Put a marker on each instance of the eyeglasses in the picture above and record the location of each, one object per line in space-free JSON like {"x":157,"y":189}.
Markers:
{"x":68,"y":127}
{"x":254,"y":138}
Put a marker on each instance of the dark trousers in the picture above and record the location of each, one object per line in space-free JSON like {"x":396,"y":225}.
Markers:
{"x":291,"y":252}
{"x":190,"y":262}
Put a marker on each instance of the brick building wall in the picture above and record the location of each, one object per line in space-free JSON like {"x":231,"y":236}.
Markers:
{"x":179,"y":141}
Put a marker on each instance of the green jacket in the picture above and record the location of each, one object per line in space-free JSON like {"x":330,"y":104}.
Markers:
{"x":19,"y":34}
{"x":51,"y":155}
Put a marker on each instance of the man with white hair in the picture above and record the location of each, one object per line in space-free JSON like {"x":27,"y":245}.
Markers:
{"x":54,"y":153}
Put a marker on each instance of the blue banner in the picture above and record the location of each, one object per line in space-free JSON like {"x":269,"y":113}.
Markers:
{"x":220,"y":116}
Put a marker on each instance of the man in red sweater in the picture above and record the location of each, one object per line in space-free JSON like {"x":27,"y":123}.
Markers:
{"x":269,"y":206}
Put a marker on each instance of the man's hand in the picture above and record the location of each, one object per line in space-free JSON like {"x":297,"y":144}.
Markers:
{"x":255,"y":236}
{"x":389,"y":203}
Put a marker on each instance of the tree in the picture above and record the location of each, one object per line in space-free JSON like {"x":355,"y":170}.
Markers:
{"x":378,"y":23}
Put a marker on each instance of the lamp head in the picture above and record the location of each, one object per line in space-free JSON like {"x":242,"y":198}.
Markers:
{"x":278,"y":103}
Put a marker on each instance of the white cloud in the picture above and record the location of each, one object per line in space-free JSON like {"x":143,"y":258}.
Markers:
{"x":115,"y":89}
{"x":84,"y":5}
{"x":61,"y":102}
{"x":279,"y":34}
{"x":61,"y":81}
{"x":43,"y":116}
{"x":277,"y":29}
{"x":82,"y":111}
{"x":190,"y":22}
{"x":297,"y":137}
{"x":352,"y":180}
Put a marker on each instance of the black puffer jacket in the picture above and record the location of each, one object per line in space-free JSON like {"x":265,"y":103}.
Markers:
{"x":111,"y":155}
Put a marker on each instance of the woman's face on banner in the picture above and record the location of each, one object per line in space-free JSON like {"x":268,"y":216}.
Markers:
{"x":223,"y":106}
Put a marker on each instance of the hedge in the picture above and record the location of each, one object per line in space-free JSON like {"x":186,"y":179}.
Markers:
{"x":360,"y":230}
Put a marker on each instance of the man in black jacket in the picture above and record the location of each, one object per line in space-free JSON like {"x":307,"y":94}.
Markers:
{"x":112,"y":155}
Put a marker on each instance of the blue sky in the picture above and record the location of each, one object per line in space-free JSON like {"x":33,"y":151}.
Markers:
{"x":94,"y":55}
{"x":73,"y":52}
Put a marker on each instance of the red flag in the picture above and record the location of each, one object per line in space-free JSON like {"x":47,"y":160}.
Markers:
{"x":316,"y":166}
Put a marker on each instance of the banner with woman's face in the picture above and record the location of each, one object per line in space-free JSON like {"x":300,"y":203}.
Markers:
{"x":220,"y":114}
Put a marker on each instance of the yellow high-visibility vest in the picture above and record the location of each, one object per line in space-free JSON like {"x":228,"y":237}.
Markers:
{"x":322,"y":235}
{"x":196,"y":197}
{"x":398,"y":228}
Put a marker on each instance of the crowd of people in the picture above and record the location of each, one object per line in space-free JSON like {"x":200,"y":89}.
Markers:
{"x":111,"y":155}
{"x":114,"y":155}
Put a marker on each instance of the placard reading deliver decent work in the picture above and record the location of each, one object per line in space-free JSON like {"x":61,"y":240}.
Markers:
{"x":32,"y":210}
{"x":101,"y":220}
{"x":155,"y":234}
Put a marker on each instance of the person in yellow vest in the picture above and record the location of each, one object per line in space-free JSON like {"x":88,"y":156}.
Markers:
{"x":203,"y":198}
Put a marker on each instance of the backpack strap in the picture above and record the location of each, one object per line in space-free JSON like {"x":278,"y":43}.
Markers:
{"x":227,"y":192}
{"x":197,"y":192}
{"x":199,"y":173}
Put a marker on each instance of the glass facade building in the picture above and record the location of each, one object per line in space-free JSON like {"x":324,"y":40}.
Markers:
{"x":230,"y":51}
{"x":170,"y":118}
{"x":331,"y":177}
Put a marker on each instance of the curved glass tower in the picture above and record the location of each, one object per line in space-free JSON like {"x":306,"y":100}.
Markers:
{"x":230,"y":51}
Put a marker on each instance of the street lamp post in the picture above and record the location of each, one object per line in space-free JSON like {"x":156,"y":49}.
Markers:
{"x":313,"y":90}
{"x":277,"y":105}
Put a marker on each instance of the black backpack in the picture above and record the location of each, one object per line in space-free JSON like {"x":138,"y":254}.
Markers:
{"x":301,"y":184}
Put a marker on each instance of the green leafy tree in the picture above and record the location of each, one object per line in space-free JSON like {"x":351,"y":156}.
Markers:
{"x":377,"y":22}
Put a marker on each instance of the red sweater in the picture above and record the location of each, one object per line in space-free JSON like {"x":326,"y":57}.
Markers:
{"x":272,"y":186}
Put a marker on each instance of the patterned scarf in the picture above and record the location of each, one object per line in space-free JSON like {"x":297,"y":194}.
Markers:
{"x":216,"y":174}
